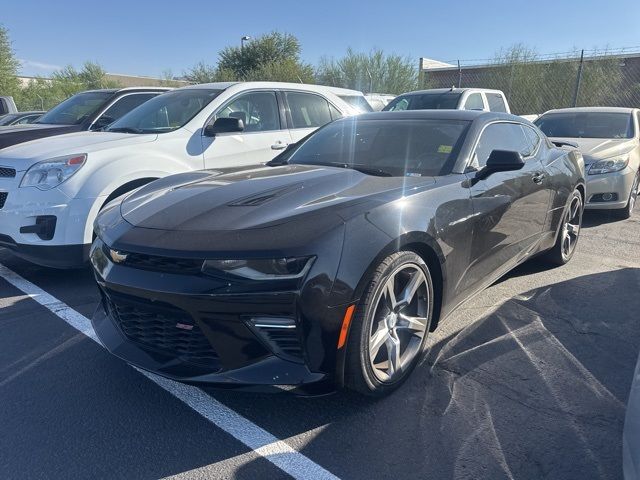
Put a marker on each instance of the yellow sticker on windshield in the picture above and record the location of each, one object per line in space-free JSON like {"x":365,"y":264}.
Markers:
{"x":445,"y":149}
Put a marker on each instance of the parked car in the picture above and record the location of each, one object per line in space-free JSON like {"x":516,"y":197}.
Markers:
{"x":609,"y":139}
{"x":20,"y":118}
{"x":330,"y":265}
{"x":451,"y":98}
{"x":378,"y":100}
{"x":90,"y":110}
{"x":52,"y":189}
{"x":7,"y":105}
{"x":352,"y":97}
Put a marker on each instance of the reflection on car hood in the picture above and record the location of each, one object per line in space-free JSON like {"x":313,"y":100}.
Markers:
{"x":599,"y":148}
{"x":15,"y":134}
{"x":257,"y":198}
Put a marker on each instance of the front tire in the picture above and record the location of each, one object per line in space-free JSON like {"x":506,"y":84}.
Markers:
{"x":390,"y":326}
{"x":627,"y":211}
{"x":567,"y":240}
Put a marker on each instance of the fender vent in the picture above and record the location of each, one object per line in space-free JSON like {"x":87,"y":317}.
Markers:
{"x":3,"y":198}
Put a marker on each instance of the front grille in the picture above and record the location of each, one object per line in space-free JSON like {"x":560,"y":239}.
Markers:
{"x":142,"y":261}
{"x":162,"y":328}
{"x":6,"y":172}
{"x":3,"y":198}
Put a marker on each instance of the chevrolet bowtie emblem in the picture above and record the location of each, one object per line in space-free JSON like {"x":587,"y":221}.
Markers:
{"x":117,"y":257}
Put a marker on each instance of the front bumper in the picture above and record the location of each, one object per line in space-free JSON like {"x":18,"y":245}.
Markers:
{"x":184,"y":327}
{"x":65,"y":244}
{"x":618,"y":183}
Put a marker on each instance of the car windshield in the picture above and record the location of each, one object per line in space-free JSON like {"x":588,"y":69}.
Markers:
{"x":358,"y":102}
{"x":396,"y":148}
{"x":425,"y":101}
{"x":76,"y":109}
{"x":166,"y":112}
{"x":586,"y":125}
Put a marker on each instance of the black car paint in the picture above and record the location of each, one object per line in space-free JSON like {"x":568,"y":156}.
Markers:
{"x":15,"y":134}
{"x":469,"y":231}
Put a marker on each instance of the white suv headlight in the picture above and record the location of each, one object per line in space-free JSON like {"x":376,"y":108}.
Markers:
{"x":51,"y":173}
{"x":608,"y":165}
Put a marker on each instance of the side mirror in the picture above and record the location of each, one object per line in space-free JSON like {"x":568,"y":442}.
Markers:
{"x":501,"y":161}
{"x":102,"y":122}
{"x":223,"y":125}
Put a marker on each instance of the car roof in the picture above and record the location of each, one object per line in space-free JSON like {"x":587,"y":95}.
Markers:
{"x":128,"y":89}
{"x":450,"y":90}
{"x":297,"y":86}
{"x":592,"y":110}
{"x":438,"y":114}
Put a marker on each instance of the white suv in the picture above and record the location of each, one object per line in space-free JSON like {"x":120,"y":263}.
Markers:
{"x":52,"y":189}
{"x":452,"y":99}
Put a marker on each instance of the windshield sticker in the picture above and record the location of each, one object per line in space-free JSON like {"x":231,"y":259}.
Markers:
{"x":445,"y":149}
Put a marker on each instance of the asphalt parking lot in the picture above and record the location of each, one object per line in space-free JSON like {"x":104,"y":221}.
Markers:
{"x":527,"y":380}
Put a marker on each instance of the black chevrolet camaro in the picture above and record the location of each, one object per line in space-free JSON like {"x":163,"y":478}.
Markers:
{"x":329,"y":266}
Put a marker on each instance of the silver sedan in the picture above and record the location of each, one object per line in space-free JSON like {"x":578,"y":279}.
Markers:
{"x":609,"y":139}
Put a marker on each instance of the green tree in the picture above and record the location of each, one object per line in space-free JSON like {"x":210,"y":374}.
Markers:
{"x":9,"y":65}
{"x":372,"y":72}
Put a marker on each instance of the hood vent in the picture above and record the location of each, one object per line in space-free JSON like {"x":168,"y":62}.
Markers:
{"x":264,"y":197}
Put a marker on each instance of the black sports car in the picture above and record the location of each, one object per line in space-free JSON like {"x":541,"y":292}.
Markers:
{"x":328,"y":266}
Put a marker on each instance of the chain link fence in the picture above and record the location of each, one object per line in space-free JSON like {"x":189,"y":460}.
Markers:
{"x":534,"y":84}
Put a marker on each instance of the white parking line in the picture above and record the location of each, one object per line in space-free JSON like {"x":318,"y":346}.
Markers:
{"x":259,"y":440}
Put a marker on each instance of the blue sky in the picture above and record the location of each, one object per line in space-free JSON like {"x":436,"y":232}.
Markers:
{"x":147,"y":38}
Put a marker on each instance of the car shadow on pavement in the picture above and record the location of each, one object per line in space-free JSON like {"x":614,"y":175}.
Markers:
{"x":535,"y":389}
{"x":593,"y":218}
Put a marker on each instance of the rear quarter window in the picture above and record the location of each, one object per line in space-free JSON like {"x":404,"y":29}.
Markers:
{"x":496,"y":102}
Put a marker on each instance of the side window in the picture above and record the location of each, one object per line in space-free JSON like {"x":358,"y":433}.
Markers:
{"x":308,"y":110}
{"x":257,"y":110}
{"x":474,"y":102}
{"x":335,"y":113}
{"x":496,"y":102}
{"x":125,"y":104}
{"x":27,"y":119}
{"x":533,"y":140}
{"x":499,"y":136}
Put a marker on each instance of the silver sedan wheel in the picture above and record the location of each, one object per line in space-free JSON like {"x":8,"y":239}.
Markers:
{"x":400,"y":322}
{"x":571,"y":227}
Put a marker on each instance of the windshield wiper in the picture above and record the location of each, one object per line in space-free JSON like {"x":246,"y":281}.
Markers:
{"x":124,"y":130}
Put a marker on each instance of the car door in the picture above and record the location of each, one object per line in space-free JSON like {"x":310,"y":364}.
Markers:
{"x":306,"y":112}
{"x":264,"y":135}
{"x":510,"y":208}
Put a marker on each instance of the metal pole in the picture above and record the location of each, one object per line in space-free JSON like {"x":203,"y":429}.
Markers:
{"x":459,"y":75}
{"x":578,"y":79}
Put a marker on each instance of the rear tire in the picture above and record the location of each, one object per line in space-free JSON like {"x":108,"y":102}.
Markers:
{"x":569,"y":233}
{"x":390,"y":325}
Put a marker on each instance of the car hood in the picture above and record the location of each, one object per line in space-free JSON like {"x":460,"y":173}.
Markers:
{"x":594,"y":149}
{"x":257,"y":198}
{"x":15,"y":134}
{"x":25,"y":154}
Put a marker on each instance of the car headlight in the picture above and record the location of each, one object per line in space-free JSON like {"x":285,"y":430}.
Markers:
{"x":260,"y":269}
{"x":51,"y":173}
{"x":608,"y":165}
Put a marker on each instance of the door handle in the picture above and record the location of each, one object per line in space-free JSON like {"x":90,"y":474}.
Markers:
{"x":538,"y":177}
{"x":279,"y":146}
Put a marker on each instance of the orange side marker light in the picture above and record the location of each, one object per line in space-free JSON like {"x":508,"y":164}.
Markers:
{"x":345,"y":325}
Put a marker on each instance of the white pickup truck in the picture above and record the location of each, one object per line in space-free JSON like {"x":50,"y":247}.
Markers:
{"x":451,"y":99}
{"x":7,"y":105}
